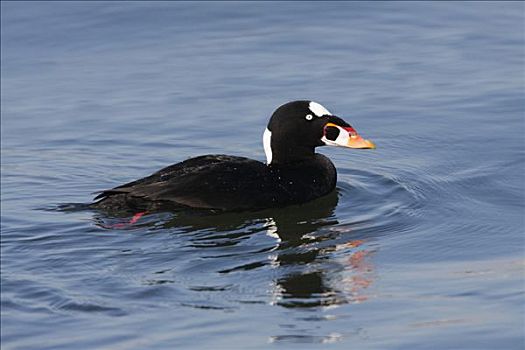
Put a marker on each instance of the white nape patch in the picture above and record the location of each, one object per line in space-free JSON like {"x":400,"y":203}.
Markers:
{"x":317,"y":109}
{"x":267,"y":143}
{"x":341,"y":140}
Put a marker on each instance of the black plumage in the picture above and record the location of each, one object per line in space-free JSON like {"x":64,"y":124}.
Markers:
{"x":295,"y":173}
{"x":225,"y":183}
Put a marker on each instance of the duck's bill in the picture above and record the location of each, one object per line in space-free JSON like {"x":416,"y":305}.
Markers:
{"x":335,"y":135}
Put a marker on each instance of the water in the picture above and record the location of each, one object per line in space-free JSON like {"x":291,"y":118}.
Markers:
{"x":421,"y":247}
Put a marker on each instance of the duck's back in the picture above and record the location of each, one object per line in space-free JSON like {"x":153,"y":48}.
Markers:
{"x":226,"y":183}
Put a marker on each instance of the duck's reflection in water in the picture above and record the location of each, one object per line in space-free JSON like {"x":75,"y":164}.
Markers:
{"x":323,"y":263}
{"x":315,"y":261}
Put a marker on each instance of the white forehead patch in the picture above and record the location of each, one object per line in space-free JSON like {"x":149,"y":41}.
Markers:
{"x":317,"y":109}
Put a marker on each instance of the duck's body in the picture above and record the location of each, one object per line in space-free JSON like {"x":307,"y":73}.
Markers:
{"x":294,"y":173}
{"x":225,"y":183}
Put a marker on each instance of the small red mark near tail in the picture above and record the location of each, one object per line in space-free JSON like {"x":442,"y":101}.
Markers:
{"x":136,"y":217}
{"x":132,"y":221}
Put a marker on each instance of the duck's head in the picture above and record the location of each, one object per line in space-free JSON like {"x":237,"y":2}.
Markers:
{"x":297,"y":127}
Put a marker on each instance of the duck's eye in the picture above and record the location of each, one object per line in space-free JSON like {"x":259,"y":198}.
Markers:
{"x":309,"y":117}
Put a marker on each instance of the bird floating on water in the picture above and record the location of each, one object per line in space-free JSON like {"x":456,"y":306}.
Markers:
{"x":293,"y":172}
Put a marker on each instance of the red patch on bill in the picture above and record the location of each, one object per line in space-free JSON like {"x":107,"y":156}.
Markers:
{"x":350,"y":130}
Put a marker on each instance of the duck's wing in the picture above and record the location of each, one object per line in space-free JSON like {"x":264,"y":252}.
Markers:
{"x":212,"y":181}
{"x":168,"y":172}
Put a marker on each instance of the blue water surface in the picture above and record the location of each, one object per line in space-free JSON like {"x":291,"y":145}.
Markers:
{"x":420,"y":247}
